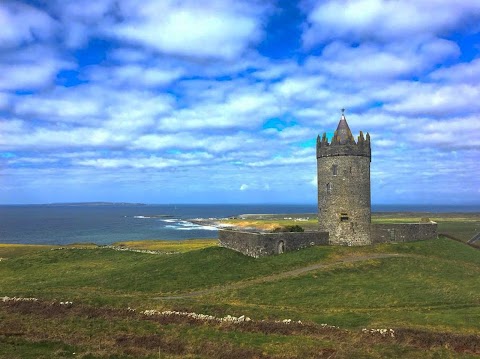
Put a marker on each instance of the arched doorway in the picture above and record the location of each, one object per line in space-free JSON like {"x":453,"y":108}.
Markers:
{"x":280,"y":247}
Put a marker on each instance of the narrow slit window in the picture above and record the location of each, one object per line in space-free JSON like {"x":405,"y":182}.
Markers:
{"x":343,"y":217}
{"x":329,"y":188}
{"x":334,"y":169}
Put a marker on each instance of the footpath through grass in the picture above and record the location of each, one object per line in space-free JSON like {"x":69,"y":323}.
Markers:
{"x":393,"y":292}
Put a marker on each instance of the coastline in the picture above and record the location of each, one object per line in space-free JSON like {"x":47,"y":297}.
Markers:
{"x":105,"y":226}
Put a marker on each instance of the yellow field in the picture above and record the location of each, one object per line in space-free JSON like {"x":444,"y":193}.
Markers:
{"x":169,"y":246}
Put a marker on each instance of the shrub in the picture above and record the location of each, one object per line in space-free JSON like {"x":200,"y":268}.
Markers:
{"x":292,"y":228}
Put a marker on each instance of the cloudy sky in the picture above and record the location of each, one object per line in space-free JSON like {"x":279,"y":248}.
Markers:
{"x":173,"y":101}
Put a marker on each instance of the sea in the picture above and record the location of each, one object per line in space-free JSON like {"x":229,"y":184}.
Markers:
{"x":106,"y":224}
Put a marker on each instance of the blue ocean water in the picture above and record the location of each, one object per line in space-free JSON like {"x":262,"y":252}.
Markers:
{"x":39,"y":224}
{"x":43,"y":224}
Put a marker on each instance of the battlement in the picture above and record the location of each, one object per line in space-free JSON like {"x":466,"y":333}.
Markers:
{"x":343,"y":143}
{"x":361,"y":147}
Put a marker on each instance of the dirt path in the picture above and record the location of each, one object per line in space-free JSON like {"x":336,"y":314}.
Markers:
{"x":277,"y":276}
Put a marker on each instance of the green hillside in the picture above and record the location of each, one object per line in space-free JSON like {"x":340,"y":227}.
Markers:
{"x":427,"y":292}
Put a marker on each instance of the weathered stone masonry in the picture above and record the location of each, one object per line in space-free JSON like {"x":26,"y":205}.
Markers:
{"x":402,"y":232}
{"x":343,"y":172}
{"x":257,"y":244}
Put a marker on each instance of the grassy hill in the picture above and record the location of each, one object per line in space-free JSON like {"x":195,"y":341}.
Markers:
{"x":429,"y":294}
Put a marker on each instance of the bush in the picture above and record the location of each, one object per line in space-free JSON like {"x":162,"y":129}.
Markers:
{"x":294,"y":228}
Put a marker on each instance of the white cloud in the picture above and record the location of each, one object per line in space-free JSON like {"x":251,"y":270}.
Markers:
{"x":218,"y":144}
{"x":438,"y":100}
{"x":77,"y":11}
{"x":27,"y":58}
{"x":384,"y":21}
{"x":32,"y":67}
{"x":135,"y":75}
{"x":213,"y":29}
{"x":170,"y":100}
{"x":244,"y":107}
{"x":11,"y":126}
{"x":373,"y":62}
{"x":18,"y":135}
{"x":468,"y":72}
{"x":297,"y":133}
{"x":302,"y":87}
{"x":163,"y":141}
{"x":244,"y":187}
{"x":54,"y":108}
{"x":103,"y":106}
{"x":222,"y":29}
{"x":32,"y":160}
{"x":389,"y":143}
{"x":154,"y":162}
{"x":275,"y":70}
{"x":21,"y":23}
{"x":79,"y":22}
{"x":27,"y":76}
{"x":453,"y":133}
{"x":4,"y":100}
{"x":292,"y":160}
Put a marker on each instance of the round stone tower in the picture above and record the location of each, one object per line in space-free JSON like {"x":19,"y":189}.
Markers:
{"x":343,"y":169}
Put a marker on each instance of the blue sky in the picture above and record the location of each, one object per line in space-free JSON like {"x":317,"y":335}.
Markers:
{"x":221,"y":101}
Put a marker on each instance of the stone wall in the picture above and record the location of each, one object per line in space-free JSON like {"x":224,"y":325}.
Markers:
{"x":344,"y":199}
{"x":403,"y":232}
{"x":256,"y":244}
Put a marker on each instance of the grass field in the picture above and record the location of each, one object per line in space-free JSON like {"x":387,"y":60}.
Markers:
{"x":269,"y":224}
{"x":429,"y":295}
{"x":169,"y":246}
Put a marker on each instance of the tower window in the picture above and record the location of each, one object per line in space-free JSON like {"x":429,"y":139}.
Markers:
{"x":334,"y":169}
{"x":343,"y":217}
{"x":329,"y":188}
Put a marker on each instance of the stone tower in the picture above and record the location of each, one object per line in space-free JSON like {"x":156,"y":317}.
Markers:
{"x":343,"y":169}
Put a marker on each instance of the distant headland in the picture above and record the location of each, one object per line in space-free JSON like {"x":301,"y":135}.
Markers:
{"x":93,"y":204}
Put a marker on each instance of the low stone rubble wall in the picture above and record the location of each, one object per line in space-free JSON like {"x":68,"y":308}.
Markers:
{"x":256,"y":244}
{"x":402,"y":232}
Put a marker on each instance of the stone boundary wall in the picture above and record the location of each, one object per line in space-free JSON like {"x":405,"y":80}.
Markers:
{"x":255,"y":244}
{"x":402,"y":232}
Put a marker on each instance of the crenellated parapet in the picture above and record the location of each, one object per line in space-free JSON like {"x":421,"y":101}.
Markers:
{"x":348,"y":147}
